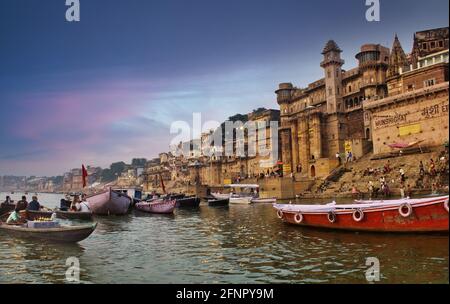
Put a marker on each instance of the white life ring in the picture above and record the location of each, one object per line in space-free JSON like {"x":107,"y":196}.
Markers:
{"x":446,"y":205}
{"x":331,"y":217}
{"x":358,"y":215}
{"x":408,"y":212}
{"x":298,"y":218}
{"x":280,"y":214}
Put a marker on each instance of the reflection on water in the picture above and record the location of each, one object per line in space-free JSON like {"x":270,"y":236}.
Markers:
{"x":238,"y":244}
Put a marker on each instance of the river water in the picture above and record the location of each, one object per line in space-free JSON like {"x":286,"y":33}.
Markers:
{"x":238,"y":244}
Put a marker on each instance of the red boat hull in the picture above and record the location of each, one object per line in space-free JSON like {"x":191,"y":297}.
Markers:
{"x":430,"y":217}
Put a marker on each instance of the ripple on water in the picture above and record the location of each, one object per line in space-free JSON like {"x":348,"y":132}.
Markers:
{"x":239,"y":244}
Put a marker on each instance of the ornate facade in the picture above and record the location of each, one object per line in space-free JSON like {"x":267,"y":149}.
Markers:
{"x":327,"y":117}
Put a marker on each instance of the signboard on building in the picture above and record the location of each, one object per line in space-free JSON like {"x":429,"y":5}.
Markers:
{"x":287,"y":169}
{"x":227,"y":181}
{"x":409,"y":129}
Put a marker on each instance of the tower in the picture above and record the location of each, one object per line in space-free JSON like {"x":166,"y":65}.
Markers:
{"x":397,"y":59}
{"x":332,"y":64}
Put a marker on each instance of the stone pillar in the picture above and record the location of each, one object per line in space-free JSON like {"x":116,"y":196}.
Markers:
{"x":294,"y":145}
{"x":316,"y":142}
{"x":304,"y":147}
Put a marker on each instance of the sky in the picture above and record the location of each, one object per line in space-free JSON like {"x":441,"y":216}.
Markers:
{"x":108,"y":88}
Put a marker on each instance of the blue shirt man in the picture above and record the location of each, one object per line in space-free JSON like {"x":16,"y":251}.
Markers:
{"x":34,"y":205}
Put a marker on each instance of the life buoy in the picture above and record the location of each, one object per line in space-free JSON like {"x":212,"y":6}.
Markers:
{"x":298,"y":218}
{"x":331,"y":217}
{"x":446,"y":205}
{"x":280,"y":214}
{"x":407,"y":212}
{"x":358,"y":215}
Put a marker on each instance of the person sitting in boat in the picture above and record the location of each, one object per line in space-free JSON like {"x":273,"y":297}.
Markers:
{"x":14,"y":217}
{"x":34,"y":204}
{"x":76,"y":200}
{"x":22,"y":204}
{"x":64,"y":205}
{"x":83,"y":205}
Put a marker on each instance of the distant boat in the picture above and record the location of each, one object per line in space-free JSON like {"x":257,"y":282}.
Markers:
{"x":264,"y":200}
{"x":74,"y":215}
{"x":188,"y":202}
{"x":109,"y":202}
{"x":66,"y":234}
{"x":219,"y":202}
{"x":243,"y":197}
{"x":158,"y":206}
{"x":134,"y":192}
{"x":404,"y":215}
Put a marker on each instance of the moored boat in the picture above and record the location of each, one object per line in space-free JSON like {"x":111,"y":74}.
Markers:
{"x":158,"y":206}
{"x":74,"y":215}
{"x":188,"y":202}
{"x":66,"y":234}
{"x":109,"y":202}
{"x":407,"y":215}
{"x":33,"y":215}
{"x":218,"y":202}
{"x":264,"y":200}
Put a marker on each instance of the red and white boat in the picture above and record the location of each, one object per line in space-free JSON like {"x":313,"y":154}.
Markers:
{"x":404,"y":215}
{"x":158,"y":206}
{"x":109,"y":202}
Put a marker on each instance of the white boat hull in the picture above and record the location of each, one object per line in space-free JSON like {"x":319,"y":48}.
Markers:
{"x":241,"y":200}
{"x":109,"y":203}
{"x":264,"y":200}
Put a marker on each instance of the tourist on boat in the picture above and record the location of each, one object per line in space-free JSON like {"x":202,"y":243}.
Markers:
{"x":76,"y":200}
{"x":387,"y":167}
{"x":8,"y":200}
{"x":14,"y":217}
{"x":83,"y":205}
{"x":22,"y":204}
{"x":64,"y":205}
{"x":34,"y":204}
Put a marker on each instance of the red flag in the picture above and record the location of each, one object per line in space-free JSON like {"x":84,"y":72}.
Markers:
{"x":85,"y":175}
{"x":162,"y":183}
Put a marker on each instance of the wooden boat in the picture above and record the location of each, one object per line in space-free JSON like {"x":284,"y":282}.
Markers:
{"x":264,"y":200}
{"x":188,"y":202}
{"x":408,"y":215}
{"x":32,"y":215}
{"x":159,"y":206}
{"x":66,"y":234}
{"x":219,"y":202}
{"x":109,"y":202}
{"x":242,"y":197}
{"x":134,"y":192}
{"x":74,"y":215}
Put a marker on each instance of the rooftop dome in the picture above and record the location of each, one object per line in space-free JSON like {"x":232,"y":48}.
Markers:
{"x":331,"y":46}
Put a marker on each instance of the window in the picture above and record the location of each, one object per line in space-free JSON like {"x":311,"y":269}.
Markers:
{"x":349,"y":88}
{"x":441,"y":43}
{"x":337,"y":73}
{"x":330,"y":91}
{"x":429,"y":82}
{"x":424,"y":46}
{"x":328,"y":74}
{"x":433,"y":45}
